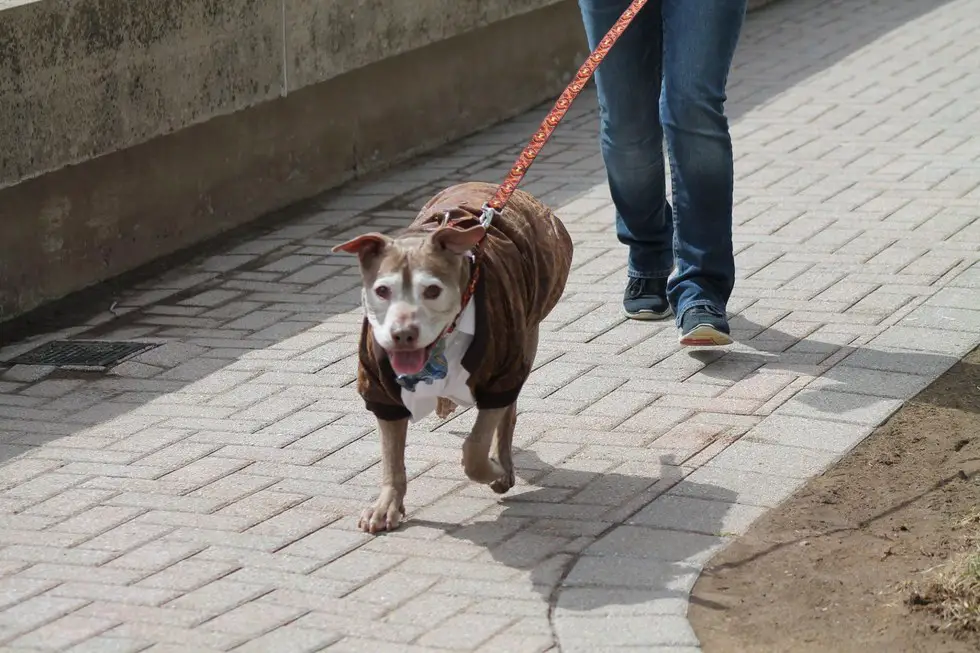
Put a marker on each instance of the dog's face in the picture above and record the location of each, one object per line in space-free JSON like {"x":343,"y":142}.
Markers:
{"x":412,"y":288}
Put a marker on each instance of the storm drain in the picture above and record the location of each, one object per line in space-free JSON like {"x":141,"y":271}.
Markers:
{"x":86,"y":355}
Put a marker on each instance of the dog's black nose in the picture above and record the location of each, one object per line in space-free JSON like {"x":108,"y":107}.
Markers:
{"x":405,"y":336}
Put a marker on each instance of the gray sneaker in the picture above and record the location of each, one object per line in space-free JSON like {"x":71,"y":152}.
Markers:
{"x":704,"y":326}
{"x":646,"y":299}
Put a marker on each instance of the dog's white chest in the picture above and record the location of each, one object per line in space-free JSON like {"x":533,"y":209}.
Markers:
{"x":422,"y":401}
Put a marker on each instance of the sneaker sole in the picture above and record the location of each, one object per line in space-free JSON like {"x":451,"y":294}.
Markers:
{"x":705,"y":336}
{"x":648,"y":316}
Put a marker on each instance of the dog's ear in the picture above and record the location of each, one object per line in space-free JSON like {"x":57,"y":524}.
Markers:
{"x":458,"y":241}
{"x":364,"y":245}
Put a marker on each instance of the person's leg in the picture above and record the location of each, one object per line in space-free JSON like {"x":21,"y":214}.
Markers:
{"x":699,"y":42}
{"x":628,"y":83}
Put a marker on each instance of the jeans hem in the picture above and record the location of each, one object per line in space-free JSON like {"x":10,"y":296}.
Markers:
{"x":634,"y":274}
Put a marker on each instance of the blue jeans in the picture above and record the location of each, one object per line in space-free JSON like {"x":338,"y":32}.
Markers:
{"x":666,"y":76}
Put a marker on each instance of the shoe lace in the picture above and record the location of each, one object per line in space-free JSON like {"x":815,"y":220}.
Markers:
{"x":711,"y":310}
{"x":641,"y":287}
{"x":697,"y":313}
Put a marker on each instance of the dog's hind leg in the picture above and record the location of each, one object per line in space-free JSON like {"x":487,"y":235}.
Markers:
{"x":476,"y":448}
{"x":389,"y":509}
{"x":503,"y":439}
{"x":444,"y":408}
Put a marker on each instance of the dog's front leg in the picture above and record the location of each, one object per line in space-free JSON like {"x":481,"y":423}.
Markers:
{"x":389,"y":509}
{"x":504,"y":437}
{"x":477,"y":463}
{"x":503,"y":453}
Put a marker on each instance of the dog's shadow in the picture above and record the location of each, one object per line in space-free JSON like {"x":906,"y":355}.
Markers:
{"x":597,"y":542}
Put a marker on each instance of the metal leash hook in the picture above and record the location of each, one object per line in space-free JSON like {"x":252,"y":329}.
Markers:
{"x":487,"y":216}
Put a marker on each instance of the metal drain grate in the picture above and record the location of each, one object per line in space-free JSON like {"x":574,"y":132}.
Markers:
{"x":93,"y":355}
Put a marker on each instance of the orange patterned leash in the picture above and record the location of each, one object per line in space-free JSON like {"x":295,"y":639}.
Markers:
{"x":548,"y":125}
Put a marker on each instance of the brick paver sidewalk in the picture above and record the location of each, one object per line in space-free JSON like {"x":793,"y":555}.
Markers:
{"x":203,"y":496}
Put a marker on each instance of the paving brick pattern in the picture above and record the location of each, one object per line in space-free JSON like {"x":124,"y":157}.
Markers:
{"x":202,"y":496}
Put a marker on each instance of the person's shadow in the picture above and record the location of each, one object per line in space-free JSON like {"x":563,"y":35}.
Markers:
{"x":604,"y":543}
{"x":861,"y":382}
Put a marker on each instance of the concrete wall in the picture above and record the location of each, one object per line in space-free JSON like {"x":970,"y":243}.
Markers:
{"x":82,"y":78}
{"x":133,"y":128}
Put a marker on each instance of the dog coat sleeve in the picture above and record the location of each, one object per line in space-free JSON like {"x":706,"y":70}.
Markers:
{"x":376,"y":381}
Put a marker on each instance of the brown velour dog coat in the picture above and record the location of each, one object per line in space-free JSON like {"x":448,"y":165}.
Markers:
{"x":525,"y":264}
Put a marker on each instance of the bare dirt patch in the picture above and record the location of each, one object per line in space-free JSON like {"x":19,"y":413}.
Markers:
{"x":854,"y":561}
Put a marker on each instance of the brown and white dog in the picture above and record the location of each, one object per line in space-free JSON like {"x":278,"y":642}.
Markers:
{"x":414,"y":283}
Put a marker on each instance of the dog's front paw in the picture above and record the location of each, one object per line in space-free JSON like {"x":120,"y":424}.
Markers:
{"x":505,"y":482}
{"x":386,"y":513}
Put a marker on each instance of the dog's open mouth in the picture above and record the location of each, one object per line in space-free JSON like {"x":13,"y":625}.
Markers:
{"x":408,"y":362}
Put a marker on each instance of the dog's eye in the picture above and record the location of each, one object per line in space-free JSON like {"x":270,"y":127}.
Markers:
{"x":383,"y":292}
{"x":432,"y":292}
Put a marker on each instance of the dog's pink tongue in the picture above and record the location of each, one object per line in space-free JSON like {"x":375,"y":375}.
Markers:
{"x":407,"y":362}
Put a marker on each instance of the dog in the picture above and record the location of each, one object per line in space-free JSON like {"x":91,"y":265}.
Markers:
{"x":421,"y":350}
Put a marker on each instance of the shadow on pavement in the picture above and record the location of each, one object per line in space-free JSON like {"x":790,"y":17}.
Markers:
{"x":863,"y":383}
{"x":790,"y":41}
{"x":639,"y":556}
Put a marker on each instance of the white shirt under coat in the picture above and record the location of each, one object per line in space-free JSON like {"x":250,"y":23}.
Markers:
{"x":422,"y":401}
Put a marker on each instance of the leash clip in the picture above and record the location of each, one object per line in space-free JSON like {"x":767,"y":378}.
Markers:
{"x":487,"y":216}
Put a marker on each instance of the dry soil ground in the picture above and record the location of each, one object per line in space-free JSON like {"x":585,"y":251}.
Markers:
{"x":829,"y":569}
